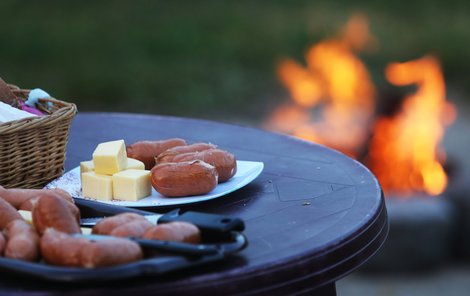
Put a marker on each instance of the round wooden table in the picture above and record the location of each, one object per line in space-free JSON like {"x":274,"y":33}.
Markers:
{"x":312,"y":216}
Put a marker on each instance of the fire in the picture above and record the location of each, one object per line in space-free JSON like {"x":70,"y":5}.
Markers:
{"x":404,"y":151}
{"x":333,"y":103}
{"x":335,"y":85}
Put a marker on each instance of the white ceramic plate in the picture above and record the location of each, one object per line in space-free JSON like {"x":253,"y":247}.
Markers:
{"x":247,"y":171}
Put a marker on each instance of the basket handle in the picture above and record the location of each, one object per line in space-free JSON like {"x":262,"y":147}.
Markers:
{"x":6,"y":95}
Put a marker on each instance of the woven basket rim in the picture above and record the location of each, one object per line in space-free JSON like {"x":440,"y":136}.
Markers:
{"x":66,"y":110}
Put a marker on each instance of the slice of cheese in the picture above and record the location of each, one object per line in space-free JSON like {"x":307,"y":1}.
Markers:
{"x":131,"y":185}
{"x":135,"y":164}
{"x":110,"y":157}
{"x":97,"y":186}
{"x":86,"y":230}
{"x":27,"y":216}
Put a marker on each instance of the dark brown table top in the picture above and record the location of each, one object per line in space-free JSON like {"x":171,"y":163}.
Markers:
{"x":312,"y":216}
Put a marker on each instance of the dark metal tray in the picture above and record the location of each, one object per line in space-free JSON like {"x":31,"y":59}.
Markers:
{"x":164,"y":263}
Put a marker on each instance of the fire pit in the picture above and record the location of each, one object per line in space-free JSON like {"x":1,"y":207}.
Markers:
{"x":421,"y":235}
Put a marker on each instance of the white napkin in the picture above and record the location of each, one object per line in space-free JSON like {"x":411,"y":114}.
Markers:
{"x":9,"y":113}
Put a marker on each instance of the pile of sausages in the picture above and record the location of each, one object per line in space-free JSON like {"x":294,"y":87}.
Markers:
{"x":55,"y":219}
{"x":179,"y":169}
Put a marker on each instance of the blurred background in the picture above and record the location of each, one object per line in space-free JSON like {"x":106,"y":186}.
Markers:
{"x":268,"y":65}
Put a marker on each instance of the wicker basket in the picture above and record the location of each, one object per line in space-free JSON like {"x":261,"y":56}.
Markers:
{"x":32,"y":150}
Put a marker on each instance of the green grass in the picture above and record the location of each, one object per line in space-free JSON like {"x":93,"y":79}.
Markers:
{"x":207,"y":59}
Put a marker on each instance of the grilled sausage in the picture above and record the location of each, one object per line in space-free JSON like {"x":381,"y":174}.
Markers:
{"x":7,"y":214}
{"x":59,"y":248}
{"x":223,"y":161}
{"x":146,"y":151}
{"x":175,"y":231}
{"x":51,"y":211}
{"x":107,"y":225}
{"x":17,"y":196}
{"x":184,"y":178}
{"x":169,"y":154}
{"x":22,"y":241}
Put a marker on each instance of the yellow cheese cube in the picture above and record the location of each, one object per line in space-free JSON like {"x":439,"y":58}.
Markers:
{"x":87,"y":166}
{"x":110,"y":157}
{"x":97,"y":186}
{"x":131,"y":185}
{"x":135,"y":164}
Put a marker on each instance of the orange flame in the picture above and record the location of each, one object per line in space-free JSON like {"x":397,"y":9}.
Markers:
{"x":404,"y":150}
{"x":333,"y":103}
{"x":336,"y":83}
